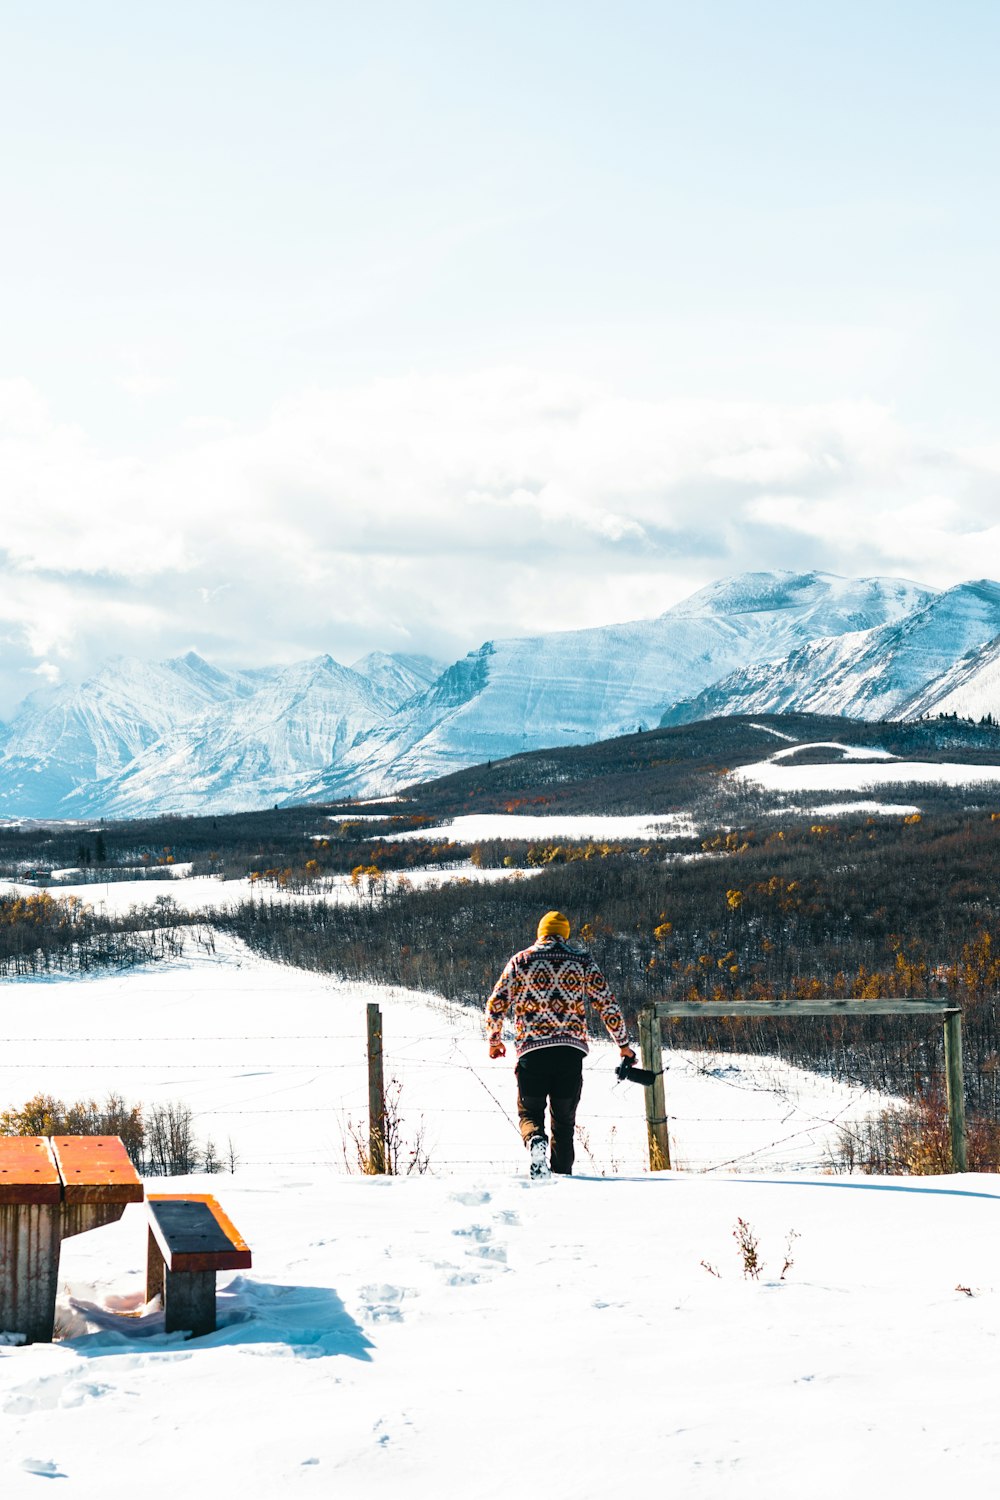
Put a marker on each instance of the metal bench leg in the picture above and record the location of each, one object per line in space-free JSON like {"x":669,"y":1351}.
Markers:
{"x":189,"y":1301}
{"x":154,"y":1269}
{"x":29,"y":1269}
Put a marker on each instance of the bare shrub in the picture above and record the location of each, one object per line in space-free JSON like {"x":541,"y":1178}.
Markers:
{"x":402,"y":1157}
{"x":748,"y":1246}
{"x":789,"y":1262}
{"x":914,"y":1141}
{"x":171,"y":1149}
{"x":211,"y":1161}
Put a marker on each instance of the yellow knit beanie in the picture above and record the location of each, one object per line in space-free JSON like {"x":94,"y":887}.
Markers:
{"x":553,"y":924}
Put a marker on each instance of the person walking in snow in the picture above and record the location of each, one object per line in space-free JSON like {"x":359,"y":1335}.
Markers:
{"x":548,"y":986}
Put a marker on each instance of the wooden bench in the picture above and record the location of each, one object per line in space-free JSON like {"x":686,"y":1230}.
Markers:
{"x":190,"y":1239}
{"x":51,"y":1188}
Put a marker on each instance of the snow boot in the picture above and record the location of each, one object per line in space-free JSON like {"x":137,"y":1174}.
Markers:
{"x":538,"y":1150}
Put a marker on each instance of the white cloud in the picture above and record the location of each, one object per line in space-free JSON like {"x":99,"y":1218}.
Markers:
{"x":23,"y":413}
{"x":768,"y":465}
{"x":431,"y":513}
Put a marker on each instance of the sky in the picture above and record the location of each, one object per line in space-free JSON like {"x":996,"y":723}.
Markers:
{"x":404,"y":326}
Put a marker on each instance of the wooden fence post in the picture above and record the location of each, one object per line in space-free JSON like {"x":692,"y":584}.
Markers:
{"x":376,"y":1092}
{"x":656,"y":1104}
{"x":956,"y":1089}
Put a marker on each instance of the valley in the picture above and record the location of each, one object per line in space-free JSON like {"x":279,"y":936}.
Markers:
{"x":777,"y":857}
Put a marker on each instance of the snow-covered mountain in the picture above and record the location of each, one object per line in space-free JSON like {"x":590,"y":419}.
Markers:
{"x":575,"y":687}
{"x":245,"y":753}
{"x":183,"y":735}
{"x":67,"y":737}
{"x":889,"y":671}
{"x":970,"y":689}
{"x":805,"y":605}
{"x":398,"y":677}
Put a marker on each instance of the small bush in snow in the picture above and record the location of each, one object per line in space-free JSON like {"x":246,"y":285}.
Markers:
{"x":749,"y":1248}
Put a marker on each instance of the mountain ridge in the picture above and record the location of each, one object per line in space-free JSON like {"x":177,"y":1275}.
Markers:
{"x":574,"y":687}
{"x":184,"y":735}
{"x":883,"y":672}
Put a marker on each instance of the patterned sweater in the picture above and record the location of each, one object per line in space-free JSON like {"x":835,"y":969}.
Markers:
{"x":548,"y":985}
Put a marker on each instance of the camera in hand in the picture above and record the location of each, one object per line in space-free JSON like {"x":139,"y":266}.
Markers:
{"x":627,"y":1072}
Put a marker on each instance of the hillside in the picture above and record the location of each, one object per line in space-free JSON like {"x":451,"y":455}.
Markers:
{"x":386,"y":1318}
{"x":676,"y":770}
{"x":673,"y":769}
{"x":754,"y":884}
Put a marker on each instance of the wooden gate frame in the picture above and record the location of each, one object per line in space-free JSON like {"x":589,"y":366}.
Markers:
{"x":650,"y":1042}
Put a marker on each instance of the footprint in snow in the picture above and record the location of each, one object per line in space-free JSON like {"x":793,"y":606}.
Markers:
{"x":52,"y":1391}
{"x":382,"y":1304}
{"x":46,"y":1467}
{"x":480,"y":1232}
{"x":495,"y":1253}
{"x":473,"y":1199}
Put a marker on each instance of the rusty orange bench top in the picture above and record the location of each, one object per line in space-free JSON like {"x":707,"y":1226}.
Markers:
{"x":96,"y":1169}
{"x":28,"y":1172}
{"x":67,"y":1169}
{"x":194,"y":1234}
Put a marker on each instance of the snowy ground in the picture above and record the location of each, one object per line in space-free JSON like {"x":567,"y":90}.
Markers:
{"x":474,"y":828}
{"x":457,"y":1336}
{"x":467,"y":1332}
{"x":862,"y":769}
{"x":846,"y":752}
{"x":202,"y":892}
{"x":857,"y":808}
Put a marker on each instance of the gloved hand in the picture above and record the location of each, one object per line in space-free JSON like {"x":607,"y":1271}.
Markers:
{"x":497,"y":1049}
{"x":626,"y":1051}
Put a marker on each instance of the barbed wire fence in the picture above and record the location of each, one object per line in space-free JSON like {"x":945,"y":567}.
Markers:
{"x":344,"y":1082}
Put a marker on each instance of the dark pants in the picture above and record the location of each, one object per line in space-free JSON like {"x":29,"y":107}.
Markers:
{"x":555,"y":1075}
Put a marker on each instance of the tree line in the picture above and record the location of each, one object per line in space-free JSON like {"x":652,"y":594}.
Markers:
{"x":44,"y":934}
{"x":852,"y":908}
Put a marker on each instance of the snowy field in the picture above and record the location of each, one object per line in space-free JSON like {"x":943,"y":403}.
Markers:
{"x":465,"y":1332}
{"x":450,"y":1336}
{"x":847,"y":752}
{"x":862,"y":769}
{"x":473,"y":828}
{"x":203,"y":892}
